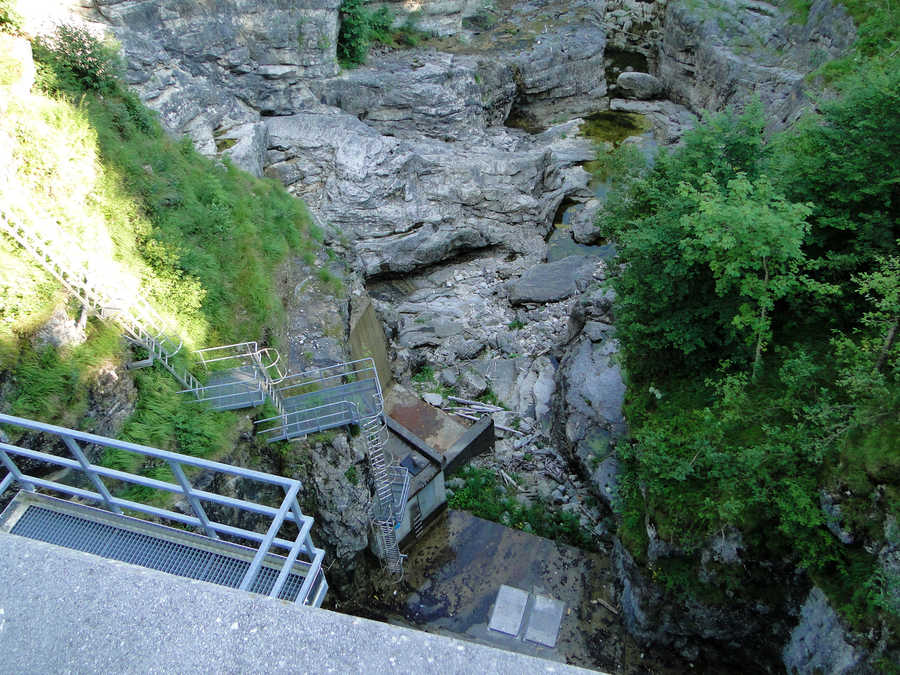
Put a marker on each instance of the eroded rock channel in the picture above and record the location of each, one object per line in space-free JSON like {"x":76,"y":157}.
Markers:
{"x":451,"y":180}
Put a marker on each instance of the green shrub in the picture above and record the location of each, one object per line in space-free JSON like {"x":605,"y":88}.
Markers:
{"x":352,"y":475}
{"x":361,"y":27}
{"x":10,"y":19}
{"x":73,"y":59}
{"x":485,"y":497}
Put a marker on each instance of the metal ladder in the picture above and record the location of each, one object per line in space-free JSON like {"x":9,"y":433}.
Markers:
{"x":418,"y":525}
{"x":384,"y":518}
{"x":139,"y":319}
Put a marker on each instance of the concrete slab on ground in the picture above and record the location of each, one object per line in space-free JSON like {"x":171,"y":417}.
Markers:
{"x":544,"y":620}
{"x":508,"y":610}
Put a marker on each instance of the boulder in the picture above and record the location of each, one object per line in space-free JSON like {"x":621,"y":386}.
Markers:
{"x":551,"y":282}
{"x":584,"y":223}
{"x":245,"y":145}
{"x":639,"y":85}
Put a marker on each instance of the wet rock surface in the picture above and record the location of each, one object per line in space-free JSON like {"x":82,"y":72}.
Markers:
{"x":454,"y":573}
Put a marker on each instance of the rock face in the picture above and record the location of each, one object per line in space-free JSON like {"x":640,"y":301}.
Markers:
{"x":207,"y":68}
{"x":587,"y":411}
{"x":717,"y":53}
{"x":442,"y":18}
{"x":818,"y":644}
{"x":434,"y":95}
{"x":635,"y":25}
{"x":730,"y":629}
{"x":409,"y":203}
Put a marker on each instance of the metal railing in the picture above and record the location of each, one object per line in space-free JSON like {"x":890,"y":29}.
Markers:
{"x":287,"y":512}
{"x":247,"y":376}
{"x":135,"y":314}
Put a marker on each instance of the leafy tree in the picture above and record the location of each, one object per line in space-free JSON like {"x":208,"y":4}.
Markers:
{"x":845,"y":163}
{"x":750,"y":237}
{"x":710,"y":246}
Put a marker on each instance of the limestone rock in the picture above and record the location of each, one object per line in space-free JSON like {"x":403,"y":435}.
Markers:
{"x":412,"y":203}
{"x":553,"y":281}
{"x":670,"y":120}
{"x":60,"y":331}
{"x":587,"y":412}
{"x":818,"y":644}
{"x":203,"y":70}
{"x":584,"y":224}
{"x":411,"y":95}
{"x":245,"y":145}
{"x":639,"y":85}
{"x":716,"y":53}
{"x":433,"y":399}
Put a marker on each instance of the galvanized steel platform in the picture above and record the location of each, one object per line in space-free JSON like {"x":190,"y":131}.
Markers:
{"x":138,"y":542}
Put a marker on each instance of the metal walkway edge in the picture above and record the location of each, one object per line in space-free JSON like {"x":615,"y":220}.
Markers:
{"x":138,"y":318}
{"x":138,"y":542}
{"x":252,"y":569}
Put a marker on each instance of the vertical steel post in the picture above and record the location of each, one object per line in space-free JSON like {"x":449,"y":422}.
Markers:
{"x":299,"y":544}
{"x":77,"y":452}
{"x":266,"y":543}
{"x":192,"y":498}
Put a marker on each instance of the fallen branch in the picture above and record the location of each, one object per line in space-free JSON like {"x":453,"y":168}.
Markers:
{"x":524,"y":441}
{"x":509,"y":480}
{"x":607,"y":605}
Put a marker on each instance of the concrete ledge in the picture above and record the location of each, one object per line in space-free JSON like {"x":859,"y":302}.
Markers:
{"x":478,"y":438}
{"x":66,"y":611}
{"x":414,"y":441}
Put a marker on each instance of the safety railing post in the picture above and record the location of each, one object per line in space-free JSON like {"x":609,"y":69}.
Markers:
{"x":188,"y":489}
{"x":266,"y":544}
{"x":78,"y":454}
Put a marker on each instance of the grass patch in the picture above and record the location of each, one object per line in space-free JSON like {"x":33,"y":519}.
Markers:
{"x":484,"y":496}
{"x":51,"y":385}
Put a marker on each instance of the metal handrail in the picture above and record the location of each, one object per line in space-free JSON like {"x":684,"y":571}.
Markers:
{"x":267,"y":351}
{"x":98,"y":300}
{"x":341,"y":410}
{"x":288,"y":511}
{"x":250,"y":348}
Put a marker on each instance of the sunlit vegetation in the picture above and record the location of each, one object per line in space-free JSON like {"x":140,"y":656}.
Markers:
{"x":91,"y":168}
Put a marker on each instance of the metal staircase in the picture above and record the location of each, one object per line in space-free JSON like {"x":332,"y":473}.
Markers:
{"x":243,"y":375}
{"x":339,"y":395}
{"x":385,"y":515}
{"x":140,"y":321}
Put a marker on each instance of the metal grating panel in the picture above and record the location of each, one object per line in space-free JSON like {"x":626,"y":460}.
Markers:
{"x":70,"y":531}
